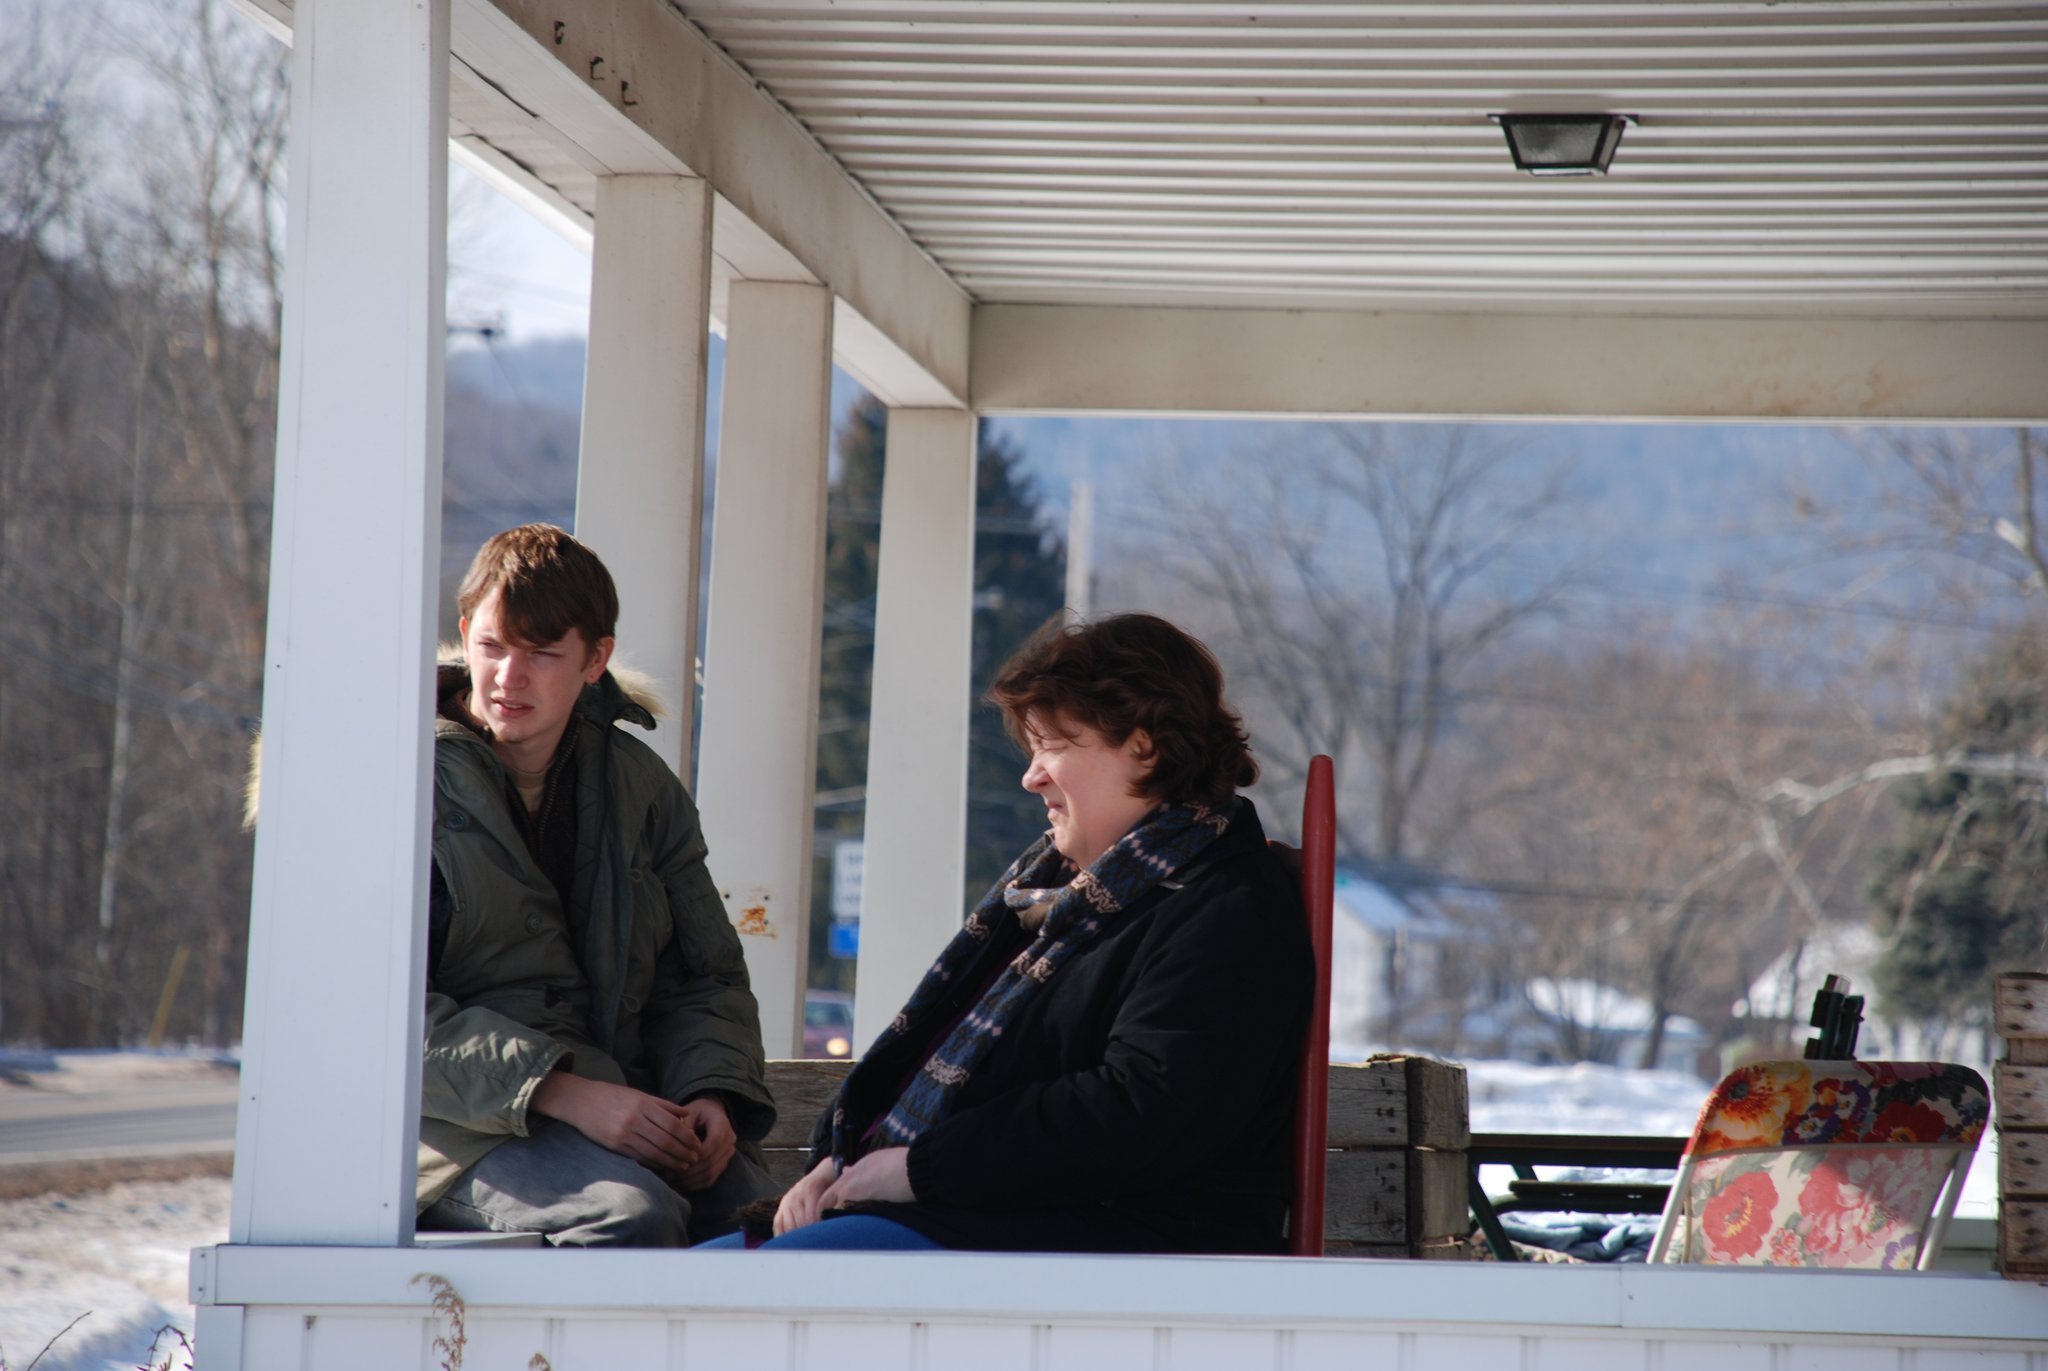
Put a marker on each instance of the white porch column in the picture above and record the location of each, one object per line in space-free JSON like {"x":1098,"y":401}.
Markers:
{"x":916,"y":858}
{"x":329,"y":1112}
{"x":640,"y":475}
{"x":758,"y":768}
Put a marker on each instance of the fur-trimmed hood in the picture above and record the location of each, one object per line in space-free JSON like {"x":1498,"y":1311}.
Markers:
{"x":621,"y":695}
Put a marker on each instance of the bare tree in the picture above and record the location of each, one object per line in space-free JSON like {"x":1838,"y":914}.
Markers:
{"x":134,"y":532}
{"x":1358,"y":589}
{"x":1644,"y":856}
{"x":40,"y":175}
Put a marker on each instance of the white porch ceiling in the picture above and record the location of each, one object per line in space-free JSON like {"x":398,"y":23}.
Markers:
{"x":1793,"y":159}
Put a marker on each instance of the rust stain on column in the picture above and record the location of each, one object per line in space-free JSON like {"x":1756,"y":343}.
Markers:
{"x":753,"y":922}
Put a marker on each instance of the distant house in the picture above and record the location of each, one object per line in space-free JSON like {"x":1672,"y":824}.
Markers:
{"x":1395,"y":978}
{"x":1422,"y":962}
{"x":1581,"y":1020}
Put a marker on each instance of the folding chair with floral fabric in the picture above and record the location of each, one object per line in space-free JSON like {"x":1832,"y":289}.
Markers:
{"x":1818,"y":1163}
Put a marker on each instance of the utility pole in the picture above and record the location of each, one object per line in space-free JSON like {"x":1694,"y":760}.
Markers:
{"x":1081,"y":552}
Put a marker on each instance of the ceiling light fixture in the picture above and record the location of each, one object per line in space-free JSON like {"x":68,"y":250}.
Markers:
{"x":1563,"y":144}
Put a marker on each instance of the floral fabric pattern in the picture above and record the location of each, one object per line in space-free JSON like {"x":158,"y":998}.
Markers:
{"x":1835,"y":1164}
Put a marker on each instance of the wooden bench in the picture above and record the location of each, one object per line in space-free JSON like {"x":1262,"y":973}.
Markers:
{"x":1398,"y":1134}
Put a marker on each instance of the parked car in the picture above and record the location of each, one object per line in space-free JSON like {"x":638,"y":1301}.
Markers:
{"x":828,"y":1024}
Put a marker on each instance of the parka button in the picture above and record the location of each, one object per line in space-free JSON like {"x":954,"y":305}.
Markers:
{"x":457,"y":819}
{"x":533,"y":923}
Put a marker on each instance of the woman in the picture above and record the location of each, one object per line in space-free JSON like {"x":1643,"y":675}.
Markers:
{"x":1104,"y":1058}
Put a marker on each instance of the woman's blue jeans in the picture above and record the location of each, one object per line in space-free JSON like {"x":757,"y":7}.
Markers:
{"x":846,"y":1233}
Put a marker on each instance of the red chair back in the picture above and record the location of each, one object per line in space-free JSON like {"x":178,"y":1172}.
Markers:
{"x":1312,"y":1112}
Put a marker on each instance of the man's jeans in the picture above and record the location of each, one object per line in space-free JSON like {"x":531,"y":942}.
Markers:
{"x":557,"y":1182}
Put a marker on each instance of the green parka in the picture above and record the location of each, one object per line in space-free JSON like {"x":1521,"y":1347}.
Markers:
{"x":640,"y":983}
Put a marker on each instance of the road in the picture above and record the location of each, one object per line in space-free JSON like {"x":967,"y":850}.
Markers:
{"x":39,"y":1127}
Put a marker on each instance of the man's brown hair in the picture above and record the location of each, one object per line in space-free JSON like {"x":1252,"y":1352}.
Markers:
{"x":1122,"y":674}
{"x":546,"y":583}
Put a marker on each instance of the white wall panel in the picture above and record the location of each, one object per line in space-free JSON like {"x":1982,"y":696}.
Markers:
{"x":1681,"y":1355}
{"x":1935,"y":1360}
{"x":1807,"y":1356}
{"x":829,"y":1345}
{"x":596,"y":1345}
{"x":218,"y":1337}
{"x":1220,"y":1349}
{"x":349,"y":1341}
{"x":273,"y":1339}
{"x":1426,"y":1351}
{"x":1316,"y":1349}
{"x":720,"y":1344}
{"x":1565,"y":1353}
{"x":1099,"y":1349}
{"x":981,"y":1347}
{"x":498,"y":1338}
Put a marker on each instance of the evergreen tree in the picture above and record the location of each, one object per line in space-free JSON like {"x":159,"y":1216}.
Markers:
{"x":853,"y":518}
{"x":1019,"y":582}
{"x":1963,"y":893}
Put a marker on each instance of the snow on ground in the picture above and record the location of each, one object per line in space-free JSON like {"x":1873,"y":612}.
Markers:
{"x":117,"y":1255}
{"x":96,"y":1071}
{"x":1518,"y":1097}
{"x":120,"y":1253}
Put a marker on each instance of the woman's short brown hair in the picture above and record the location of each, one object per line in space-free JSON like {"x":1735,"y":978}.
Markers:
{"x":546,"y":583}
{"x":1122,"y":674}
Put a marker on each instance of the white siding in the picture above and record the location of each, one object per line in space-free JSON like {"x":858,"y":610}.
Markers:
{"x":337,"y":1310}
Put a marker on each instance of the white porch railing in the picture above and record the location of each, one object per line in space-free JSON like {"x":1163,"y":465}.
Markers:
{"x":320,"y":1308}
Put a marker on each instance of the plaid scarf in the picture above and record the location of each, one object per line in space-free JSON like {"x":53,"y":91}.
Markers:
{"x":1081,"y":905}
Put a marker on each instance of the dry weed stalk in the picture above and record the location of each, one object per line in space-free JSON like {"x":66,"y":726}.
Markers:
{"x":449,"y":1308}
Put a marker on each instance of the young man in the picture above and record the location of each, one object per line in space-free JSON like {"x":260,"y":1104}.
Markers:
{"x":593,"y":1065}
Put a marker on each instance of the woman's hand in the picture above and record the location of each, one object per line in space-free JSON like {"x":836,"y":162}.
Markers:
{"x":880,"y":1175}
{"x":800,"y":1207}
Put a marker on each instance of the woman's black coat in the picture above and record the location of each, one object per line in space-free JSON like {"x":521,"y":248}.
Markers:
{"x":1142,"y":1101}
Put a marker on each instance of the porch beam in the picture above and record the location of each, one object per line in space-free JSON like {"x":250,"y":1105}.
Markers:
{"x":635,"y":87}
{"x":916,"y":833}
{"x":329,"y":1110}
{"x":1141,"y":360}
{"x":758,"y":772}
{"x":640,"y":474}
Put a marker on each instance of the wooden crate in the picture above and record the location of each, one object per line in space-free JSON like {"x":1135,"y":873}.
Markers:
{"x":2023,"y":1163}
{"x":2019,"y":1011}
{"x":1399,"y":1127}
{"x":2023,"y":1239}
{"x":1397,"y":1101}
{"x":1394,"y":1196}
{"x":2019,"y":1006}
{"x":1398,"y":1133}
{"x":2021,"y":1095}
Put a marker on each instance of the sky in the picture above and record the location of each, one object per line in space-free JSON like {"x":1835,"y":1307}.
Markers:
{"x":509,"y":269}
